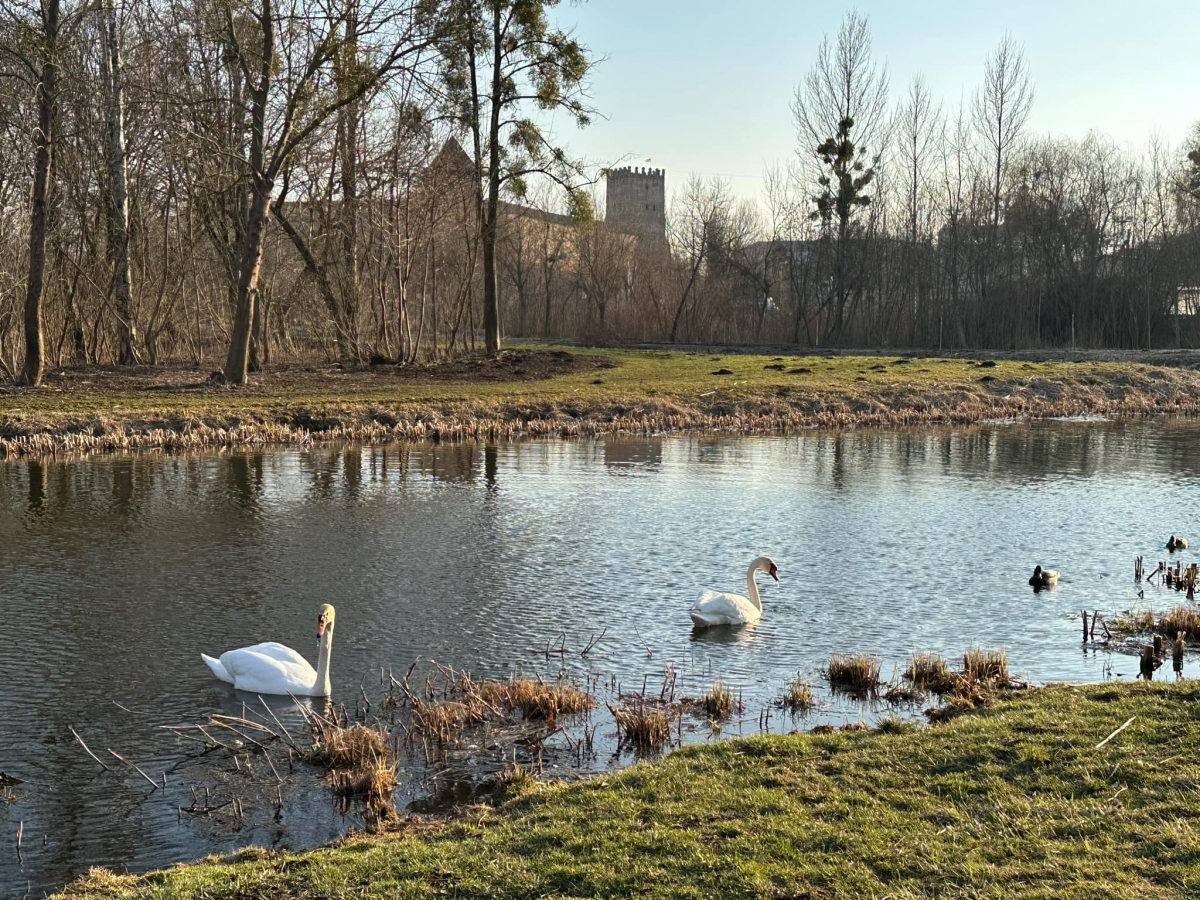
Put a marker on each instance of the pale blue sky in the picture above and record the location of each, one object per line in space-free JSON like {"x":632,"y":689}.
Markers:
{"x":705,"y":85}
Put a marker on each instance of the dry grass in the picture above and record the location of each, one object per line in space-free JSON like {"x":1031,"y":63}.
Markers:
{"x":718,"y":701}
{"x":359,"y":762}
{"x":444,"y":719}
{"x":643,"y":726}
{"x":335,"y":747}
{"x":929,"y":672}
{"x":856,"y":674}
{"x":536,"y":699}
{"x":1184,"y":619}
{"x":798,"y":696}
{"x":986,"y":666}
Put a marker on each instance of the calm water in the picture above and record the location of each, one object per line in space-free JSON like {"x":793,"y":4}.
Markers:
{"x":116,"y":572}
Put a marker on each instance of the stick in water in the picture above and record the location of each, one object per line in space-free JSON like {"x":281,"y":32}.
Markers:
{"x":1115,"y":733}
{"x":89,"y":752}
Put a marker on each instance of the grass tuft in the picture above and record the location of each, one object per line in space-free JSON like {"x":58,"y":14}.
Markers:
{"x":718,"y":701}
{"x":986,"y":666}
{"x":929,"y":672}
{"x":643,"y":726}
{"x":798,"y":696}
{"x":856,"y":674}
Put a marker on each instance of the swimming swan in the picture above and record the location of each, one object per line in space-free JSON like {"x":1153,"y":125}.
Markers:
{"x":1043,"y":577}
{"x":715,"y":608}
{"x":272,"y":668}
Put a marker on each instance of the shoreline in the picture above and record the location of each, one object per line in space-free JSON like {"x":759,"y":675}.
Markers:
{"x":1042,"y":793}
{"x":642,"y":392}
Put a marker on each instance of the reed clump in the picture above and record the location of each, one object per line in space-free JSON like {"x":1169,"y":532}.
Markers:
{"x":929,"y":672}
{"x":335,"y":747}
{"x":359,"y":762}
{"x":986,"y":666}
{"x":443,"y":719}
{"x":856,"y":674}
{"x":798,"y":696}
{"x":1185,"y":619}
{"x":643,"y":726}
{"x":718,"y":701}
{"x":536,"y":699}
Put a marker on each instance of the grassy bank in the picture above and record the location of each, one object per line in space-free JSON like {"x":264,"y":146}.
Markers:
{"x":580,"y":392}
{"x":1014,"y":800}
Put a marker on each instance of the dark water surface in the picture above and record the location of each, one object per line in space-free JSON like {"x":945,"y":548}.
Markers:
{"x":116,"y":572}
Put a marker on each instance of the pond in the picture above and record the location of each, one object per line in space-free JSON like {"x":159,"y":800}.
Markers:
{"x":117,"y":572}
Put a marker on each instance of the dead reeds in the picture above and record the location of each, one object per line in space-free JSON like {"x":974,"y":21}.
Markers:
{"x":643,"y":726}
{"x":798,"y":696}
{"x":718,"y":701}
{"x":455,"y":702}
{"x":537,"y":699}
{"x":986,"y":666}
{"x":856,"y":674}
{"x":359,"y":762}
{"x":929,"y":672}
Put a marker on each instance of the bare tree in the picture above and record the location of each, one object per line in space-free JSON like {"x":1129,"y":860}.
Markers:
{"x":1000,"y":109}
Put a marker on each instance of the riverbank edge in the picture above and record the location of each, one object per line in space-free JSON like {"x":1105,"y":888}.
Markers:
{"x":1021,"y":798}
{"x":223,"y":419}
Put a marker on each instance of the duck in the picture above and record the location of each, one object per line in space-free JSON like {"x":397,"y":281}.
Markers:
{"x":718,"y":608}
{"x":1043,"y":578}
{"x":272,"y":668}
{"x":1176,"y":543}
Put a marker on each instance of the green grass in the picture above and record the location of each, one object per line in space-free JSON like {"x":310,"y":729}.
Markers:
{"x":639,"y":375}
{"x":1010,"y":801}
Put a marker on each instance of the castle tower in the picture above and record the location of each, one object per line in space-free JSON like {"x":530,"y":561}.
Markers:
{"x":636,"y":202}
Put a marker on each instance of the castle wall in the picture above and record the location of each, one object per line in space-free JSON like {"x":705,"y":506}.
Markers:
{"x":636,"y":202}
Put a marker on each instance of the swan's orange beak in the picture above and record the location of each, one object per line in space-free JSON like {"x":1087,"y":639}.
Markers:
{"x":775,"y":572}
{"x":320,"y":625}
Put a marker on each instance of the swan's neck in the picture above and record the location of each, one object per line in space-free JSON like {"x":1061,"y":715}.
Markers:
{"x":751,"y":587}
{"x":324,"y":646}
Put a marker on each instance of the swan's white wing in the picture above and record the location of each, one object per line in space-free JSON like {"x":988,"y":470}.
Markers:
{"x":279,"y":652}
{"x":261,"y":673}
{"x":217,"y":668}
{"x":717,"y":608}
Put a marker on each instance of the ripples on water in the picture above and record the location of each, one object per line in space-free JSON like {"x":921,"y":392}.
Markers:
{"x":116,"y":572}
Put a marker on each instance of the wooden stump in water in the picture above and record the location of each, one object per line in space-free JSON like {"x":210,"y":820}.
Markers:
{"x":1147,"y":663}
{"x":1083,"y":612}
{"x":1177,"y":654}
{"x":1158,"y":646}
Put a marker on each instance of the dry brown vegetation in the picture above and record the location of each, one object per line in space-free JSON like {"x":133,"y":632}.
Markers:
{"x":359,"y":761}
{"x":799,"y":696}
{"x":1180,"y":618}
{"x":456,"y":702}
{"x":856,"y":674}
{"x":643,"y":725}
{"x":718,"y":701}
{"x":929,"y":672}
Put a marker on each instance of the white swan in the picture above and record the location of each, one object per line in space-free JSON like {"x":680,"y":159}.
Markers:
{"x":715,"y":608}
{"x":272,"y":668}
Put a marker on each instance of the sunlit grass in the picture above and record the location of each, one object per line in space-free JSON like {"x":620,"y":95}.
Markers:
{"x":1012,"y":800}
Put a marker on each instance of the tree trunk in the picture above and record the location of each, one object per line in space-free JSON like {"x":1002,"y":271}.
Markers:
{"x":118,"y":192}
{"x":491,"y":300}
{"x":47,"y":96}
{"x":237,"y":364}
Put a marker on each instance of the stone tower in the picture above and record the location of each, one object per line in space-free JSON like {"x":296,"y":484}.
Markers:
{"x":636,"y":202}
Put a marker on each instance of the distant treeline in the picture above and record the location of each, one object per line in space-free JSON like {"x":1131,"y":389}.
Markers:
{"x":232,"y":182}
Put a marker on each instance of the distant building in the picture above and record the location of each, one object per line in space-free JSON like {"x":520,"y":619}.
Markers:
{"x":636,"y":202}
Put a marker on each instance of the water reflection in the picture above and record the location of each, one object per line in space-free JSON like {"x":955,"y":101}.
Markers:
{"x":116,"y":572}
